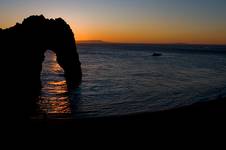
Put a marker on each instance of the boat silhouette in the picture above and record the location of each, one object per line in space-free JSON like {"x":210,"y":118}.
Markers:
{"x":157,"y":54}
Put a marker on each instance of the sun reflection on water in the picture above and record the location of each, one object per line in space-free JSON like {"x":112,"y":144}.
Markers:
{"x":54,"y":94}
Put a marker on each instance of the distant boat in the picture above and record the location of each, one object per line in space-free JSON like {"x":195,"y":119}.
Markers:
{"x":157,"y":54}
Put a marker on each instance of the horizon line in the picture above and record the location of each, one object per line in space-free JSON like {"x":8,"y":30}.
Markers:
{"x":110,"y":42}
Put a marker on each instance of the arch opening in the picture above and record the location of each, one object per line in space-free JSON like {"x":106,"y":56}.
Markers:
{"x":54,"y":93}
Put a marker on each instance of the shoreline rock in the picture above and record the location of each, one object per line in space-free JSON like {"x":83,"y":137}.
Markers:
{"x":23,"y":47}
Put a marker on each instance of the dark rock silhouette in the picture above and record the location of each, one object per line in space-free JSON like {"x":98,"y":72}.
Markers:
{"x":23,"y":47}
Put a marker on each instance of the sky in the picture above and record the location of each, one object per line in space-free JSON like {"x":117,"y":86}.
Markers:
{"x":129,"y":21}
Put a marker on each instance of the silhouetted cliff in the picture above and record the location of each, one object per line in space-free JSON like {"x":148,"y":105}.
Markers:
{"x":23,"y":47}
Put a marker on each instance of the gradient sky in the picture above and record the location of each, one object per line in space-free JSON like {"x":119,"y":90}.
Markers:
{"x":145,"y":21}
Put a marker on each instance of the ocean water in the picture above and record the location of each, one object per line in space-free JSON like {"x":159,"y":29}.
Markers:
{"x":121,"y":79}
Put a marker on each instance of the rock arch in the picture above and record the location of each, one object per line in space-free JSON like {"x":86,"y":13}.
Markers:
{"x":23,"y":47}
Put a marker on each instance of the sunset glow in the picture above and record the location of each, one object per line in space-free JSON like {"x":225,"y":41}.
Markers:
{"x":129,"y":21}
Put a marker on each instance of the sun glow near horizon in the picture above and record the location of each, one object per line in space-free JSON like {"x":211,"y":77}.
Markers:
{"x":134,"y":21}
{"x":153,"y":35}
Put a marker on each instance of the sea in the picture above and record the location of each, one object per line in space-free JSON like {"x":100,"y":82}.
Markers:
{"x":123,"y":79}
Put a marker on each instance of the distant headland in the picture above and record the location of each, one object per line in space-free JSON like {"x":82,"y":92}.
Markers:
{"x":92,"y":41}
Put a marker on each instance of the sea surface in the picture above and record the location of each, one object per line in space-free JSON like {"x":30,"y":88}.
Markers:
{"x":122,"y":79}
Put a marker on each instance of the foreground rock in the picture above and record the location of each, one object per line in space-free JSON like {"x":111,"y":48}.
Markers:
{"x":22,"y":50}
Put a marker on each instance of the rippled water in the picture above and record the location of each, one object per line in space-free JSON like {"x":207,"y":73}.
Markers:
{"x":54,"y":96}
{"x":124,"y":79}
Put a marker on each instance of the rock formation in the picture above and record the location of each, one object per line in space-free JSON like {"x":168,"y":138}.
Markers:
{"x":23,"y":46}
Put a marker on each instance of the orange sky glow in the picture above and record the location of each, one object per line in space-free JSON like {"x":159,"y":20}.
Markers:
{"x":134,"y":21}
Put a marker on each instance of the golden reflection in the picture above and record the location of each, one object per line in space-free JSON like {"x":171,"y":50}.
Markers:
{"x":58,"y":83}
{"x":54,"y":97}
{"x":56,"y":68}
